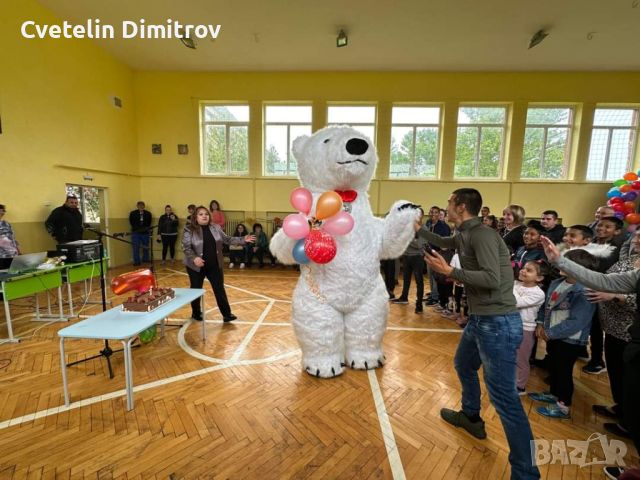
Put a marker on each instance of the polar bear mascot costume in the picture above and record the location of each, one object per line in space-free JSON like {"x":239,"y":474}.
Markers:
{"x":340,"y":309}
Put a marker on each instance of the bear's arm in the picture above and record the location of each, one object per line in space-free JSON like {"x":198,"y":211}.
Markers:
{"x":397,"y":230}
{"x":281,"y":247}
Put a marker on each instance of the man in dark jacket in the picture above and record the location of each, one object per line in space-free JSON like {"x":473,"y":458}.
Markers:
{"x":140,"y":221}
{"x":65,"y":221}
{"x":552,"y":229}
{"x":437,"y":226}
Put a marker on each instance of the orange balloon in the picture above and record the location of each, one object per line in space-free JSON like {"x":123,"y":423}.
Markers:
{"x":630,"y":176}
{"x":632,"y":218}
{"x":626,"y":188}
{"x":328,"y":205}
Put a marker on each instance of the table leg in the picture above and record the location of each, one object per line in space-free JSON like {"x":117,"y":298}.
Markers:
{"x":70,"y":298}
{"x":60,"y":303}
{"x":63,"y":369}
{"x":38,"y":306}
{"x":204,"y":314}
{"x":7,"y":314}
{"x":128,"y":371}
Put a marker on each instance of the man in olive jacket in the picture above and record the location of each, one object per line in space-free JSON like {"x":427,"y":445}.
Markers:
{"x":494,"y":332}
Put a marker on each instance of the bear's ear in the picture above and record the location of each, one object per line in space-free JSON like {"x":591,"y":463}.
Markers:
{"x":299,"y":145}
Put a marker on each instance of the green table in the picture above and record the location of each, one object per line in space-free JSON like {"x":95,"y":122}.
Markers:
{"x":25,"y":285}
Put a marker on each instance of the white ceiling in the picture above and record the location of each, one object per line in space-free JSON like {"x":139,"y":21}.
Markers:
{"x":384,"y":35}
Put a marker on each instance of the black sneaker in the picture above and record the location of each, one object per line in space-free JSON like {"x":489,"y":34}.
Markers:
{"x":460,"y":420}
{"x":400,"y":301}
{"x":431,"y":302}
{"x":418,"y":309}
{"x":594,"y":369}
{"x":604,"y":411}
{"x":230,"y":318}
{"x":197,"y":316}
{"x":613,"y":472}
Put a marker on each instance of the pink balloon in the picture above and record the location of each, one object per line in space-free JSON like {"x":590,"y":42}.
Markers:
{"x":296,"y":226}
{"x":301,"y":200}
{"x":340,"y":224}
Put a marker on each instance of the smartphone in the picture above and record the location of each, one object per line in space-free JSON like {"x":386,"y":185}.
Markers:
{"x":428,"y":249}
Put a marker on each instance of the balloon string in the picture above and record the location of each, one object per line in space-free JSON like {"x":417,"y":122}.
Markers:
{"x":311,"y":283}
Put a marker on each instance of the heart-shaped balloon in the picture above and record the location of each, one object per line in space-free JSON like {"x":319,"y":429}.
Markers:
{"x":320,"y":247}
{"x":339,"y":224}
{"x":301,"y":199}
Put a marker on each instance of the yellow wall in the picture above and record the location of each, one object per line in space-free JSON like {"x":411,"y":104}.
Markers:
{"x":59,"y":123}
{"x":167,"y":113}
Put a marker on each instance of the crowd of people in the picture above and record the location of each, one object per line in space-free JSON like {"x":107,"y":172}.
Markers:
{"x":507,"y":281}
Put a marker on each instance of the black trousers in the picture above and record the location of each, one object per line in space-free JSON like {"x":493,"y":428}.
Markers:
{"x":216,"y":279}
{"x":631,"y":385}
{"x":169,"y":243}
{"x":597,"y":341}
{"x":413,"y":265}
{"x":445,"y":291}
{"x":614,"y":356}
{"x":389,"y":272}
{"x":258,"y":253}
{"x":458,"y":294}
{"x":562,"y":358}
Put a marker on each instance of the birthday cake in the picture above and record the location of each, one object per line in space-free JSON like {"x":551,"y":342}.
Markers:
{"x":148,"y":301}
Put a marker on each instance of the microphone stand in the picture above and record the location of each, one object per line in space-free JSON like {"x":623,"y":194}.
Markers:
{"x":106,"y":352}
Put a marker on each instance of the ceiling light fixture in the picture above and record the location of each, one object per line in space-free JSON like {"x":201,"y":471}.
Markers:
{"x":342,"y":39}
{"x":537,"y":38}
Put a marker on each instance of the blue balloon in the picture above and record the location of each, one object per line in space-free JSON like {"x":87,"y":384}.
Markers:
{"x":298,"y":252}
{"x":614,"y":192}
{"x":629,"y":196}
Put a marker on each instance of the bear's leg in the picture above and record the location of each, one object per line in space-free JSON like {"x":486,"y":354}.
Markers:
{"x":364,"y":329}
{"x":320,"y":332}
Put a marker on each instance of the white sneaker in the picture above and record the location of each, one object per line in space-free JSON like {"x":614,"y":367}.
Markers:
{"x":242,"y":265}
{"x":231,"y":265}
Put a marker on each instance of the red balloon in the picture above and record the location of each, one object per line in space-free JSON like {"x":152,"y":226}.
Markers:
{"x":320,"y":247}
{"x":631,"y":205}
{"x":633,"y":218}
{"x":615,"y":200}
{"x":635,"y":185}
{"x":628,"y":210}
{"x":626,"y":188}
{"x":618,"y":207}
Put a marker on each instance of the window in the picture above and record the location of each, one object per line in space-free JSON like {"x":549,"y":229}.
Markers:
{"x":282,"y":125}
{"x":547,"y":142}
{"x":362,"y":118}
{"x":415,"y":133}
{"x":89,"y":202}
{"x":225,"y":144}
{"x":480,"y":141}
{"x":613,"y":140}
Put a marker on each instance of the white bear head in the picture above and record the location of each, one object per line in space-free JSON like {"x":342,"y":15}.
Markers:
{"x":335,"y":158}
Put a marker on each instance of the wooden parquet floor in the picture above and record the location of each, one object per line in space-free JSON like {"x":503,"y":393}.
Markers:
{"x":239,"y":406}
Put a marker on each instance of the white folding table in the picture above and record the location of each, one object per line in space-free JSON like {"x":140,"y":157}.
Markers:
{"x":115,"y":324}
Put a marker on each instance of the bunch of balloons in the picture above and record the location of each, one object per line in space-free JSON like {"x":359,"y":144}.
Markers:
{"x":315,"y":234}
{"x":622,"y":198}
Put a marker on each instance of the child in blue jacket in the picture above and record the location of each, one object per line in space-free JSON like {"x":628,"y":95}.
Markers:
{"x":564,"y":323}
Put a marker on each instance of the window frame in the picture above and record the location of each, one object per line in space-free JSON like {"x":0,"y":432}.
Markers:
{"x":634,"y":129}
{"x":288,"y":125}
{"x":355,"y":125}
{"x":414,"y":127}
{"x":203,"y":126}
{"x":568,"y":147}
{"x":480,"y":126}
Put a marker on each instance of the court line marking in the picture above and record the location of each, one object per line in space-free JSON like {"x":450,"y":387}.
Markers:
{"x":397,"y":470}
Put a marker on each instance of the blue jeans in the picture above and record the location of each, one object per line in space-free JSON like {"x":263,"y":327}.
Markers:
{"x":492,"y":341}
{"x":433,"y":285}
{"x":140,"y":240}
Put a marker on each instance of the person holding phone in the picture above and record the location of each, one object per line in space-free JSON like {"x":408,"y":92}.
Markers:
{"x":493,"y":332}
{"x":413,"y":264}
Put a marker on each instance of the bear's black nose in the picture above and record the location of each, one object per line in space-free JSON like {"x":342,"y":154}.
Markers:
{"x":357,"y":146}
